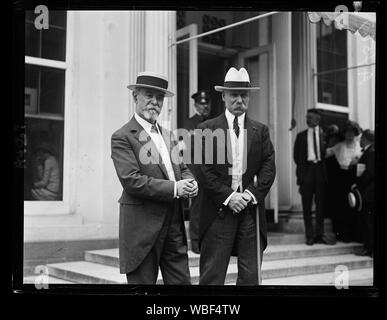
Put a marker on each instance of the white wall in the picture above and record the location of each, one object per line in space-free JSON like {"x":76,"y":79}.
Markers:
{"x":98,"y":101}
{"x":281,"y":38}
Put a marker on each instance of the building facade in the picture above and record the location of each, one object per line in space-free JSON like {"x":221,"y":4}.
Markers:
{"x":75,"y":97}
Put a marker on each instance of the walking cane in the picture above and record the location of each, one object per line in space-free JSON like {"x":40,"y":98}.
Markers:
{"x":258,"y":238}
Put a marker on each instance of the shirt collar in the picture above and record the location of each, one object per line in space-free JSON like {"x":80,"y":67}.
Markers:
{"x":316,"y":128}
{"x":230,"y":118}
{"x":145,"y":124}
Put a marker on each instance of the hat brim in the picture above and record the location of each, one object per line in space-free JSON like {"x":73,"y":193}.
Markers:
{"x":355,"y":200}
{"x":134,"y":86}
{"x":221,"y":89}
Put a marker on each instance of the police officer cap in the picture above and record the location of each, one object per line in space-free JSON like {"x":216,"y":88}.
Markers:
{"x":201,"y":96}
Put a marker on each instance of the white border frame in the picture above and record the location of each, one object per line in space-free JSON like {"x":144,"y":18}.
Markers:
{"x":49,"y":208}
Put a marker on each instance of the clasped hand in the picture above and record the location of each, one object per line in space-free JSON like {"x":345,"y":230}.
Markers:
{"x":187,"y":188}
{"x":239,"y":201}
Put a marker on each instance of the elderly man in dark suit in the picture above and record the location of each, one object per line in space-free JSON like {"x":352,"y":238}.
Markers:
{"x":365,"y":182}
{"x":309,"y":156}
{"x":236,"y":176}
{"x":151,"y":233}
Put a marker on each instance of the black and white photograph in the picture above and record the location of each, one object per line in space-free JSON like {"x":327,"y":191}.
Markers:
{"x":194,"y":147}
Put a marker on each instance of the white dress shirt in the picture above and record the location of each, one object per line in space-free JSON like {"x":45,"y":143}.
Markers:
{"x":237,"y":149}
{"x":311,"y":154}
{"x":161,"y":147}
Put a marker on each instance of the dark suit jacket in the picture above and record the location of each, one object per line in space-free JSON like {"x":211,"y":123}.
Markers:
{"x":366,"y":181}
{"x":147,"y":193}
{"x":300,"y":154}
{"x":215,"y":180}
{"x":193,"y":122}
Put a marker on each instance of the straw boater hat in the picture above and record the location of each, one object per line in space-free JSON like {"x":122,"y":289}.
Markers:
{"x":355,"y":199}
{"x":236,"y":80}
{"x":153,"y":81}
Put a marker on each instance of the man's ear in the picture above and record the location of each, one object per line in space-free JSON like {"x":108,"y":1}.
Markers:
{"x":134,"y":94}
{"x":223,"y":95}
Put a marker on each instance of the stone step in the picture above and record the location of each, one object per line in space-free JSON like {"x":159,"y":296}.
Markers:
{"x":50,"y":280}
{"x":109,"y":257}
{"x":85,"y":272}
{"x":95,"y":273}
{"x":356,"y":277}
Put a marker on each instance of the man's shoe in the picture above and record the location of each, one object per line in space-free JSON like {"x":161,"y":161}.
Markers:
{"x":324,"y":240}
{"x":309,"y":242}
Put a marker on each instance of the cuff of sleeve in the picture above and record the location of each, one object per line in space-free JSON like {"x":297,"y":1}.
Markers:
{"x":228,"y":199}
{"x":249,"y":192}
{"x":175,"y":196}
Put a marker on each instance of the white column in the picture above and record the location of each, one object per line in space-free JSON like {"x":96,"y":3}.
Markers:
{"x":159,"y":30}
{"x":119,"y":29}
{"x":136,"y":51}
{"x":281,"y":38}
{"x":303,"y":81}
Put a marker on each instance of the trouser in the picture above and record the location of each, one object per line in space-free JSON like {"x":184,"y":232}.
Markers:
{"x":169,"y":252}
{"x":232,"y":232}
{"x":194,"y":222}
{"x":194,"y":213}
{"x":313,"y":184}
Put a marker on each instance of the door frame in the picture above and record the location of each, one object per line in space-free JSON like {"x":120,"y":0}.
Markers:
{"x":270,"y":50}
{"x":190,"y":31}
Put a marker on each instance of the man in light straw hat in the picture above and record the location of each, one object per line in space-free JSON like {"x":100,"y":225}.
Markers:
{"x":151,"y":233}
{"x":233,"y":190}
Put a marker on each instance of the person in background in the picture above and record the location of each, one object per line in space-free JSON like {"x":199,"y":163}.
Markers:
{"x":332,"y":166}
{"x":46,"y":187}
{"x":202,"y":104}
{"x":347,"y":152}
{"x":309,"y":156}
{"x":365,"y":183}
{"x":332,"y":135}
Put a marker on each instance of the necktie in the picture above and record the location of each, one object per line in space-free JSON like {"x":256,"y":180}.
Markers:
{"x":154,"y":128}
{"x":236,"y":126}
{"x":315,"y":145}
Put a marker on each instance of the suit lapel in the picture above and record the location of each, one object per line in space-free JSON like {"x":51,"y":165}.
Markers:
{"x":148,"y":144}
{"x":224,"y":126}
{"x":250,"y":133}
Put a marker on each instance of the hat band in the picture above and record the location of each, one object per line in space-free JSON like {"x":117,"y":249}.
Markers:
{"x":152,"y":81}
{"x":237,"y":84}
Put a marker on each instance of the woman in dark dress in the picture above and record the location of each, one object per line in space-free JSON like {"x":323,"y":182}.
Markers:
{"x":346,"y":152}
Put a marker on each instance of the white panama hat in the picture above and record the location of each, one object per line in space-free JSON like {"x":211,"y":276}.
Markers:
{"x":236,"y":80}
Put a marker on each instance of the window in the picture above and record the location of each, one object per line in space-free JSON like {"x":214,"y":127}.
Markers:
{"x":332,"y":85}
{"x":44,"y":93}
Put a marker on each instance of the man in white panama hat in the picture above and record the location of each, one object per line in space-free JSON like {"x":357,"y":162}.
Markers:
{"x":233,"y":190}
{"x":151,"y":231}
